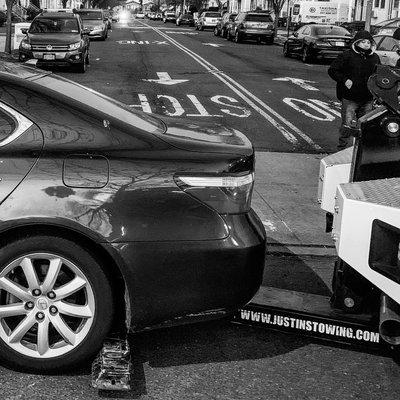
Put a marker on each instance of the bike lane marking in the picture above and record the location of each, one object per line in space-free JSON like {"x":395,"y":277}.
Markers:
{"x":262,"y":108}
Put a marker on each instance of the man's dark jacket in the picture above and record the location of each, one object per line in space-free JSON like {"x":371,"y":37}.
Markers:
{"x":356,"y":66}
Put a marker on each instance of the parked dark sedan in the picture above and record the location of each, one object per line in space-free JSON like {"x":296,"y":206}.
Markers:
{"x":185,"y":19}
{"x":107,"y":211}
{"x":252,"y":25}
{"x":224,"y":24}
{"x":56,"y":39}
{"x":317,"y":41}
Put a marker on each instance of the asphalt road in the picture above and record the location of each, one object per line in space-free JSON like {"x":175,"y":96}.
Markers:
{"x":249,"y":86}
{"x":232,"y":84}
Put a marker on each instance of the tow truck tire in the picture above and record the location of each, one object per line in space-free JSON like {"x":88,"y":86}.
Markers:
{"x":56,"y":306}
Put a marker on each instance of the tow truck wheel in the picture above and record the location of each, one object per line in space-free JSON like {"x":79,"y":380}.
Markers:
{"x":55,"y":304}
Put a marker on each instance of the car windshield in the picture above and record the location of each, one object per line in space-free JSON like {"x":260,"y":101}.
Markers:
{"x":258,"y":18}
{"x":212,"y":15}
{"x":92,"y":15}
{"x":331,"y":30}
{"x":54,"y":25}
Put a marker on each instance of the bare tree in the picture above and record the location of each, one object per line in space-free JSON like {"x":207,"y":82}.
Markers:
{"x":277,"y":6}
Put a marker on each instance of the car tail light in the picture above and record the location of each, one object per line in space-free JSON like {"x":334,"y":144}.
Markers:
{"x":227,"y":194}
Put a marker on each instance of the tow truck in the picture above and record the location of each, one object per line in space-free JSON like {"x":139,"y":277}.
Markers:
{"x":359,"y":189}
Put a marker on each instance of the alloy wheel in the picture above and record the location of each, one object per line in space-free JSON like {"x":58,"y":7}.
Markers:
{"x":47,"y":305}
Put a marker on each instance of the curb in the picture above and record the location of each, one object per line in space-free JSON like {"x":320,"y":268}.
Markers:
{"x":310,"y":250}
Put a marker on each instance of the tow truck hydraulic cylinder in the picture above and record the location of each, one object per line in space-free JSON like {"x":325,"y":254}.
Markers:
{"x":389,"y":320}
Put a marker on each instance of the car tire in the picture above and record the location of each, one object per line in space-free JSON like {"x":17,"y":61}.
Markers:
{"x":305,"y":55}
{"x":237,"y":38}
{"x":216,"y":32}
{"x":76,"y":321}
{"x":286,"y":52}
{"x":202,"y":28}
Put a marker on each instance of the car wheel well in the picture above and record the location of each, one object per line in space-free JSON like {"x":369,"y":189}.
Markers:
{"x":112,"y":272}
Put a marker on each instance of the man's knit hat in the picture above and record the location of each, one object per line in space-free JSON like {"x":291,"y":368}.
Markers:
{"x":361,"y":35}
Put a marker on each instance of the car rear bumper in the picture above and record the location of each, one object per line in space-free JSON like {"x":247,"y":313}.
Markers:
{"x":326,"y":53}
{"x":169,"y":280}
{"x":255,"y":34}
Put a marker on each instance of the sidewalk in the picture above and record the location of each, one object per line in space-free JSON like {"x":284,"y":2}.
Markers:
{"x":285,"y":198}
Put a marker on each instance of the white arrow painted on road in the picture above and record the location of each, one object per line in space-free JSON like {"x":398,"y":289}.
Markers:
{"x":213,"y":44}
{"x":165,"y":79}
{"x":299,"y":82}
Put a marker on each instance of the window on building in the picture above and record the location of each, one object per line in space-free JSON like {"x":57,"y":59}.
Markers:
{"x":382,"y":3}
{"x":376,"y":4}
{"x":396,"y":4}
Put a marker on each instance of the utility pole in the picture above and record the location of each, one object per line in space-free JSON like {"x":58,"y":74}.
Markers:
{"x":368,"y":14}
{"x":288,"y":16}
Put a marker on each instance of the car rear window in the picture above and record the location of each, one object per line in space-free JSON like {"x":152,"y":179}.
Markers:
{"x":331,"y":30}
{"x":258,"y":18}
{"x":91,"y":15}
{"x":54,"y":25}
{"x":212,"y":14}
{"x":104,"y":104}
{"x":7,"y":125}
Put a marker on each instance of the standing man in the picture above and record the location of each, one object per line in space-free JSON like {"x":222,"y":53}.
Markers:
{"x":351,"y":71}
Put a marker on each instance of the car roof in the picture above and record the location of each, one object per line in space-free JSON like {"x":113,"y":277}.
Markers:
{"x":88,"y":10}
{"x":58,"y":15}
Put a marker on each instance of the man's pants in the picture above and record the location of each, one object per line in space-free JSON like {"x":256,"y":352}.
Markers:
{"x":351,"y":111}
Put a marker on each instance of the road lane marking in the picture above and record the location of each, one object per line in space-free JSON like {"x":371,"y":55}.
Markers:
{"x":171,"y":106}
{"x":178,"y":109}
{"x":296,"y":104}
{"x":213,"y":44}
{"x":328,"y":113}
{"x":143,"y":42}
{"x":182,"y":33}
{"x":304,"y":84}
{"x":165,"y":79}
{"x":247,"y":96}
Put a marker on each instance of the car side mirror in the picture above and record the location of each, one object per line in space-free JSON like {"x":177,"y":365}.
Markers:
{"x":24,"y":30}
{"x":295,"y":34}
{"x":85,"y":31}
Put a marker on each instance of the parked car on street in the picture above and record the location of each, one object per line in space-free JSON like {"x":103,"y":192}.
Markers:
{"x":252,"y":25}
{"x":386,"y":27}
{"x":169,"y":16}
{"x":222,"y":26}
{"x":185,"y":19}
{"x":95,"y":21}
{"x":140,"y":15}
{"x":314,"y":41}
{"x":126,"y":212}
{"x":56,"y":39}
{"x":354,"y":26}
{"x":388,"y":49}
{"x":207,"y":19}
